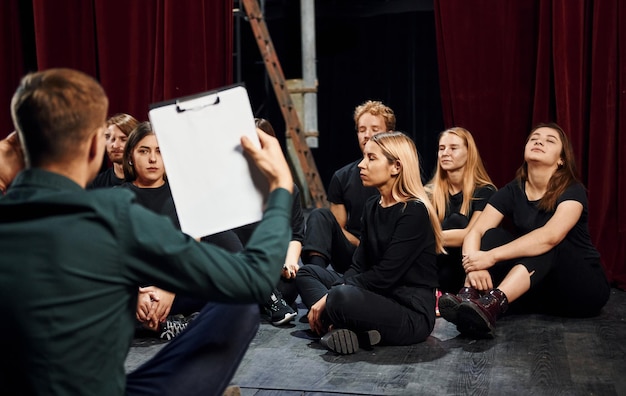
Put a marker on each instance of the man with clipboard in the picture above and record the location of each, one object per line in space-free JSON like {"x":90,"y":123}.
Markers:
{"x":72,"y":260}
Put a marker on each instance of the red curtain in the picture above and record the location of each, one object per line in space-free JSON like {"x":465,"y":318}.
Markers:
{"x":151,"y":51}
{"x":11,"y":67}
{"x":505,"y":66}
{"x":142,"y":51}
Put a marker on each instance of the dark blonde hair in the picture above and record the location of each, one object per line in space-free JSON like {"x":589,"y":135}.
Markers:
{"x":53,"y":110}
{"x":474,"y":176}
{"x":125,"y":122}
{"x":376,"y":108}
{"x":398,"y":147}
{"x":563,"y":177}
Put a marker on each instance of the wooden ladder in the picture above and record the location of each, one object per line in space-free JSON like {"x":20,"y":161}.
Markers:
{"x":292,"y":121}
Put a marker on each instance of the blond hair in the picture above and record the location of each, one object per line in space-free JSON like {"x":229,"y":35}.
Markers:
{"x":375,"y":108}
{"x":396,"y":146}
{"x":474,"y":176}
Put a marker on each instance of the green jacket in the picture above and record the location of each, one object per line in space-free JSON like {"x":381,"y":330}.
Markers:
{"x":71,"y":262}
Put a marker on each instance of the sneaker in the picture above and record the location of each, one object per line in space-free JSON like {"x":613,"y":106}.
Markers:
{"x":277,"y":311}
{"x":175,"y":324}
{"x":345,"y":342}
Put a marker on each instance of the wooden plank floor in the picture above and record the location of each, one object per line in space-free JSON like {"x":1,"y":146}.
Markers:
{"x":530,"y":355}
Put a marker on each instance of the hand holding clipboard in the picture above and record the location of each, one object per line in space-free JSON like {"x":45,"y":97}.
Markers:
{"x":214,"y":185}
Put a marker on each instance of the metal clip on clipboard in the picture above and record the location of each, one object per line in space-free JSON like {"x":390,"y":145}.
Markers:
{"x":197,"y":103}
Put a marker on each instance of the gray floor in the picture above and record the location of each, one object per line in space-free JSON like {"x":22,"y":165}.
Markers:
{"x":530,"y":355}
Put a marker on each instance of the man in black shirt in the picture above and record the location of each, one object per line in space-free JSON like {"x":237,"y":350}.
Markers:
{"x":333,"y":234}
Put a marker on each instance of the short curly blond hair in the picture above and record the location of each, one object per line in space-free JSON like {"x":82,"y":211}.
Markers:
{"x":376,"y":108}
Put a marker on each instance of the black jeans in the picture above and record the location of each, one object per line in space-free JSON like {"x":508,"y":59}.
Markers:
{"x":563,"y":282}
{"x":324,"y":235}
{"x":449,"y":267}
{"x":358,"y":309}
{"x":202,"y":359}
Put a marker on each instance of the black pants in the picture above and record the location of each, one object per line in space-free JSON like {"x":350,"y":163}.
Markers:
{"x":325,"y":236}
{"x":202,"y":359}
{"x":450,"y":270}
{"x":358,"y":309}
{"x":563,"y":282}
{"x":449,"y":267}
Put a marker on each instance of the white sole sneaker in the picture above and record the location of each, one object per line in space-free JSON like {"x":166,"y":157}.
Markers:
{"x":286,"y":319}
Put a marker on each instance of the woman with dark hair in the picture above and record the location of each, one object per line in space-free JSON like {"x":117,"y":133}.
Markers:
{"x":549,"y":264}
{"x":387,"y":294}
{"x":144,"y":171}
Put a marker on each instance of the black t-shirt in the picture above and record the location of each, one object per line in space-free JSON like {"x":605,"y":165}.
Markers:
{"x":525,"y":216}
{"x":346,"y":188}
{"x":158,"y":200}
{"x":454,"y":219}
{"x":106,"y":179}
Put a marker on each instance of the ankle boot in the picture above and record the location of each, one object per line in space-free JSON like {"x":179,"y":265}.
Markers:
{"x":477,"y":316}
{"x":449,"y":303}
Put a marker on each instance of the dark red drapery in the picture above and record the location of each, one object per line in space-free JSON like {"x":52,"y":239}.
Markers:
{"x":11,"y":67}
{"x":141,"y":51}
{"x":505,"y":66}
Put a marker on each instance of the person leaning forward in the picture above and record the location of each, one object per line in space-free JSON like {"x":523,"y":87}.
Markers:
{"x":72,"y":261}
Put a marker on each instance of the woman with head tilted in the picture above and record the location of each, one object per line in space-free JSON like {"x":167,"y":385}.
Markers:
{"x":459,"y":191}
{"x":119,"y":127}
{"x":387,"y":294}
{"x":550,"y":264}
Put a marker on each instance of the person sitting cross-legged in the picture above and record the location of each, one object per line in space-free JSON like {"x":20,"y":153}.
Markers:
{"x":387,"y":294}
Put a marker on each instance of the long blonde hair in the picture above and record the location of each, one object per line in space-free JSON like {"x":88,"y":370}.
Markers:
{"x":474,"y":176}
{"x":398,"y":147}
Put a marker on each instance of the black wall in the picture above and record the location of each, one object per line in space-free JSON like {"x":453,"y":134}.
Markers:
{"x":363,"y":52}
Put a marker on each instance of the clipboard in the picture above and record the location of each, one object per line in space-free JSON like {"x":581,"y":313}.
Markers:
{"x":215,"y":187}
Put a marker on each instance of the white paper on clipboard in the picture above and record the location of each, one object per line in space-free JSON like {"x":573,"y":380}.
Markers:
{"x":214,"y":185}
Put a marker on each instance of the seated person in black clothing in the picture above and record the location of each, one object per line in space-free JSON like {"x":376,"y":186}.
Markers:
{"x":280,"y":307}
{"x":12,"y":159}
{"x":332,"y":235}
{"x":459,"y":192}
{"x":549,"y":264}
{"x":73,"y":260}
{"x":387,"y":294}
{"x":157,"y":309}
{"x":119,"y":127}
